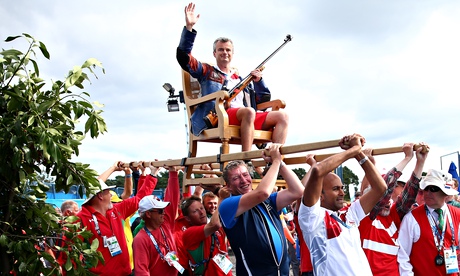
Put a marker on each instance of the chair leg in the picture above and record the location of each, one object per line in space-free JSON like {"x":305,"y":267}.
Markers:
{"x":225,"y":146}
{"x":189,"y":168}
{"x":224,"y":149}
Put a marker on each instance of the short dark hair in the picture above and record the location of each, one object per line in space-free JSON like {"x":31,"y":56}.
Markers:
{"x":187,"y":202}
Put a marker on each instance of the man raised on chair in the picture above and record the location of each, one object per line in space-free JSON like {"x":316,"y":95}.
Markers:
{"x":242,"y":109}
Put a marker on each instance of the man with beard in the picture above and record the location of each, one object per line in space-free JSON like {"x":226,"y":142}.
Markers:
{"x":379,"y":230}
{"x":104,"y":220}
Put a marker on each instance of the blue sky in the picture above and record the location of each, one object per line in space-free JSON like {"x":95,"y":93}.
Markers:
{"x":388,"y":70}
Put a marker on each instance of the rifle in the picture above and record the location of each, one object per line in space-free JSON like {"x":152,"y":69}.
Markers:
{"x":211,"y":119}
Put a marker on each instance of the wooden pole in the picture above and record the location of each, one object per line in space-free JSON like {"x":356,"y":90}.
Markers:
{"x":213,"y":159}
{"x":321,"y":157}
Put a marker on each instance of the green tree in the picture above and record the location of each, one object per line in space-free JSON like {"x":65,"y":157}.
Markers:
{"x":38,"y":136}
{"x":164,"y":176}
{"x":119,"y":181}
{"x":300,"y":172}
{"x":349,"y":178}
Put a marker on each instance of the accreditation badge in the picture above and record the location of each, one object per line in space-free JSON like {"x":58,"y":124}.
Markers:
{"x":172,"y":260}
{"x":450,"y":260}
{"x":222,"y":262}
{"x":113,"y":245}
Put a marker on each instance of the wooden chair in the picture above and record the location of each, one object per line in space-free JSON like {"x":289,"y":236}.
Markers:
{"x":224,"y":133}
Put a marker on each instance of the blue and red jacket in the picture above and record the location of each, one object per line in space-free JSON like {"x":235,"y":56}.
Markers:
{"x":211,"y":80}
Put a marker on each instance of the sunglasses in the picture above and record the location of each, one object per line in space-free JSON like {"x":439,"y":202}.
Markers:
{"x":433,"y":189}
{"x":159,"y":211}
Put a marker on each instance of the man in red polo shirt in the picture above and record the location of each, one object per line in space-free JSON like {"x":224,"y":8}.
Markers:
{"x":104,"y":220}
{"x":203,"y":241}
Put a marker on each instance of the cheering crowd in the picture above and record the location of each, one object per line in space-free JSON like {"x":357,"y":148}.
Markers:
{"x":392,"y":228}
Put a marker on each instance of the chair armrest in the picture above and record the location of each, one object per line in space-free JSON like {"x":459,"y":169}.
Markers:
{"x":275,"y":105}
{"x":218,"y":95}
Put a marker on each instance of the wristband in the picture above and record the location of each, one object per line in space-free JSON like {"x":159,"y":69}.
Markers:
{"x":128,"y":175}
{"x":282,"y":164}
{"x":362,"y":161}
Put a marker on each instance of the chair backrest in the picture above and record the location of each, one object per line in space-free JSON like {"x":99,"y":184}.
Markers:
{"x":192,"y":90}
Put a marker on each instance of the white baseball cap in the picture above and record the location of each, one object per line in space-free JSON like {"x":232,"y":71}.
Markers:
{"x":151,"y":202}
{"x":440,"y":179}
{"x":102,"y":187}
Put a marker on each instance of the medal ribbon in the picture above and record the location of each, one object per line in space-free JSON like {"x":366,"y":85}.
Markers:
{"x":155,"y":242}
{"x":439,"y":237}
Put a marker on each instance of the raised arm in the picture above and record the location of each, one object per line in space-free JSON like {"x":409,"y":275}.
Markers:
{"x":265,"y":187}
{"x":294,"y":189}
{"x":190,"y":17}
{"x":107,"y":173}
{"x":391,"y":179}
{"x":214,"y":224}
{"x":409,"y":194}
{"x":147,"y":183}
{"x":314,"y":184}
{"x":365,"y":182}
{"x":310,"y":160}
{"x":128,"y":186}
{"x":377,"y":184}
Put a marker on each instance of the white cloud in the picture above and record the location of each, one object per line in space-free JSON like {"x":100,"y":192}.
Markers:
{"x":386,"y":70}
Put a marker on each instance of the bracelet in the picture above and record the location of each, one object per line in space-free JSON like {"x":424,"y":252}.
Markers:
{"x":282,"y":164}
{"x":128,"y":175}
{"x":362,"y":161}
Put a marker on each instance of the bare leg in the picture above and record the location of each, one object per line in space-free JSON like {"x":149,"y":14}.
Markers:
{"x":246,"y":115}
{"x":279,"y":120}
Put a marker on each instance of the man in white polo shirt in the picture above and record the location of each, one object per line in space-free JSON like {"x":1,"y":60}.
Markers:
{"x":334,"y":241}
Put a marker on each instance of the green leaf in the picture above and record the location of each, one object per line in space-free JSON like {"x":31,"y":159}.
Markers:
{"x":95,"y":244}
{"x":30,"y":121}
{"x":85,"y":104}
{"x":53,"y":131}
{"x":89,"y":123}
{"x":69,"y":179}
{"x":44,"y":50}
{"x":68,"y":264}
{"x":98,"y":104}
{"x":72,"y":219}
{"x":46,"y":105}
{"x":91,"y":62}
{"x":3,"y":240}
{"x":11,"y":38}
{"x":11,"y":52}
{"x":37,"y":71}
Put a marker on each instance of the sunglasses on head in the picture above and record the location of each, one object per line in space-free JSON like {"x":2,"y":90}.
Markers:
{"x":159,"y":211}
{"x":433,"y":189}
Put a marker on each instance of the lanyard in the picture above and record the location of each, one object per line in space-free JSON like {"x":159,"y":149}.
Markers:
{"x":213,"y":238}
{"x":439,"y":237}
{"x":339,"y":220}
{"x":155,"y":242}
{"x":96,"y":225}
